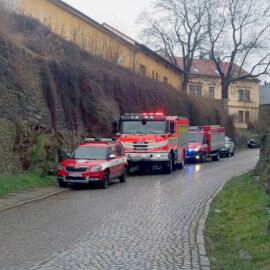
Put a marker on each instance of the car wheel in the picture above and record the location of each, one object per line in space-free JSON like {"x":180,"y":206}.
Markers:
{"x":62,"y":184}
{"x":123,"y":177}
{"x":168,"y":167}
{"x":216,"y":157}
{"x":105,"y":181}
{"x":202,"y":158}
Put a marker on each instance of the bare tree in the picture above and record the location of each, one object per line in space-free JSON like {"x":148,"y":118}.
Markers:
{"x":238,"y":32}
{"x":178,"y":27}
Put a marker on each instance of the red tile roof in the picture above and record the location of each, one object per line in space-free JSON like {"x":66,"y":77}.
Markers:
{"x":208,"y":68}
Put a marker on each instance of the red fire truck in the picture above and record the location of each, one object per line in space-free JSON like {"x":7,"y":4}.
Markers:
{"x":206,"y":141}
{"x":153,"y":139}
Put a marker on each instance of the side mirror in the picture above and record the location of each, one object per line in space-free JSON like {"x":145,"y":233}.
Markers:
{"x":112,"y":156}
{"x":115,"y":126}
{"x":172,"y":127}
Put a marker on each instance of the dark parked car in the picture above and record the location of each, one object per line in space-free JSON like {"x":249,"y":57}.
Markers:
{"x":253,"y":141}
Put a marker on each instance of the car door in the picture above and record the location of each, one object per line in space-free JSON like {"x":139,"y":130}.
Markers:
{"x":112,"y":162}
{"x":119,"y":157}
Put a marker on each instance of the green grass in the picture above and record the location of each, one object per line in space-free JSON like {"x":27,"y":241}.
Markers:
{"x":237,"y":224}
{"x":245,"y":132}
{"x":23,"y":181}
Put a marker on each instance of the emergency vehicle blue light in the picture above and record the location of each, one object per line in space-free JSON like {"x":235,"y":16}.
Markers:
{"x":190,"y":150}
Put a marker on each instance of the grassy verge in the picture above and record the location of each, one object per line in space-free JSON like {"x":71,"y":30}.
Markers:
{"x":23,"y":181}
{"x":237,"y":233}
{"x":245,"y":132}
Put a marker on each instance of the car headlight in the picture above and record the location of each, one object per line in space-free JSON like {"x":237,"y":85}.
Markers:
{"x":95,"y":169}
{"x":197,"y":148}
{"x":61,"y":167}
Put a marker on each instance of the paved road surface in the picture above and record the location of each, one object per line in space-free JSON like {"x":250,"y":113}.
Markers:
{"x":150,"y":222}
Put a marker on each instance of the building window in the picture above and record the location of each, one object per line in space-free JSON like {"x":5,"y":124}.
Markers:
{"x":157,"y":76}
{"x":241,"y":95}
{"x":192,"y":90}
{"x":211,"y":92}
{"x":198,"y":90}
{"x":244,"y":95}
{"x":153,"y":74}
{"x":247,"y":95}
{"x":247,"y":117}
{"x":241,"y":116}
{"x":165,"y":79}
{"x":143,"y":70}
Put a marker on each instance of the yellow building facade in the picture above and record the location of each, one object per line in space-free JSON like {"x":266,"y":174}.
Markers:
{"x":98,"y":39}
{"x":243,"y":97}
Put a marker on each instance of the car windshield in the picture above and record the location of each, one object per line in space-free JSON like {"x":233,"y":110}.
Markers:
{"x":195,"y":137}
{"x":83,"y":152}
{"x":227,"y":140}
{"x":139,"y":127}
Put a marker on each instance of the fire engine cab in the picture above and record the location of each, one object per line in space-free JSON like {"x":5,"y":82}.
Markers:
{"x":153,"y":139}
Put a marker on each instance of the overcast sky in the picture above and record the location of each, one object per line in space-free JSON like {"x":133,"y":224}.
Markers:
{"x":120,"y":14}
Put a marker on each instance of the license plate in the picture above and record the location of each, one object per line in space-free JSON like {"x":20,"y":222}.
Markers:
{"x":75,"y":174}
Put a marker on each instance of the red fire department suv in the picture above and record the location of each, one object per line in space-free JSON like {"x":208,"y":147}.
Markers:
{"x":95,"y":160}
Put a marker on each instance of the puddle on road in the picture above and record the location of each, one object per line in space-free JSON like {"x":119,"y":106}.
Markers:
{"x":194,"y":169}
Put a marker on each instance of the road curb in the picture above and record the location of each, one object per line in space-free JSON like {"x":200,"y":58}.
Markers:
{"x":200,"y":237}
{"x":35,"y":199}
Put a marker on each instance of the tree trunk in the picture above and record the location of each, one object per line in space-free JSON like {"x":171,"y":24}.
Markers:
{"x":263,"y":166}
{"x":225,"y":105}
{"x":185,"y":82}
{"x":225,"y":90}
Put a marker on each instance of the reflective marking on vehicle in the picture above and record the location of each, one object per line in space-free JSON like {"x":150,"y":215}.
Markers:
{"x":113,"y":162}
{"x":151,"y":146}
{"x":203,"y":146}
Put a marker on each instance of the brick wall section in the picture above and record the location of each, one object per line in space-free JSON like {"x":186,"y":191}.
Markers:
{"x":9,"y":161}
{"x":22,"y":102}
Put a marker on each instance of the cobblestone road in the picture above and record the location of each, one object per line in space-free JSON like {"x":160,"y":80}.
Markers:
{"x":150,"y":222}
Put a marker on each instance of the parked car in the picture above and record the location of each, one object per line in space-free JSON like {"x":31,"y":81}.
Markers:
{"x":95,"y":160}
{"x":229,"y":148}
{"x":253,"y":141}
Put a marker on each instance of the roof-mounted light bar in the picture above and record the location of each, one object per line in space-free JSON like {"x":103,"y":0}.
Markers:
{"x":89,"y":139}
{"x":97,"y":140}
{"x":154,"y":114}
